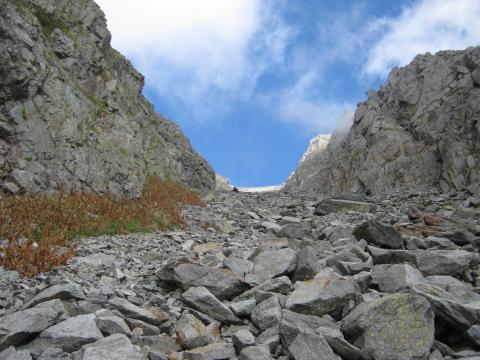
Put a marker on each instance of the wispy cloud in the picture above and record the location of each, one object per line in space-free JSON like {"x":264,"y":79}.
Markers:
{"x":427,"y":26}
{"x":303,"y":107}
{"x":208,"y":56}
{"x":200,"y":54}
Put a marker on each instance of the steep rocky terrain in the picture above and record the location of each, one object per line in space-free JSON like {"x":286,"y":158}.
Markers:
{"x":421,"y":129}
{"x":308,"y":163}
{"x":379,"y":274}
{"x":265,"y":276}
{"x":72,"y":110}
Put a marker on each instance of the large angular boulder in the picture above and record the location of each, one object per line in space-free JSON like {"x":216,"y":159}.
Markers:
{"x":274,"y":263}
{"x":191,"y":332}
{"x":217,"y":351}
{"x":133,"y":311}
{"x":311,"y":347}
{"x":259,"y":352}
{"x":398,"y":326}
{"x":222,"y":283}
{"x":17,"y":327}
{"x":457,"y":307}
{"x":281,"y":285}
{"x":379,"y":234}
{"x":307,"y":264}
{"x":110,"y":325}
{"x":116,"y":346}
{"x":341,"y":206}
{"x":429,"y":262}
{"x":396,"y":277}
{"x":267,"y":314}
{"x":444,"y":262}
{"x":242,"y":339}
{"x":61,"y":292}
{"x":323,"y":295}
{"x":71,"y":334}
{"x":293,"y":324}
{"x":204,"y":301}
{"x":11,"y":354}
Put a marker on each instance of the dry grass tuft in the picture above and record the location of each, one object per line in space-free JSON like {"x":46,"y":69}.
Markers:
{"x":40,"y":230}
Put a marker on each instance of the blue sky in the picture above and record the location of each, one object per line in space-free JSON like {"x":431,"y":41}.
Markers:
{"x":250,"y":82}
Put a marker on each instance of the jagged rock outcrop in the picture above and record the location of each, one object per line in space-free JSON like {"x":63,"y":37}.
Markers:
{"x":308,"y":164}
{"x":72,"y":111}
{"x":421,"y":129}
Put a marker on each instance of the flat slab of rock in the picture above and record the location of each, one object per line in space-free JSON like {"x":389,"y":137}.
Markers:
{"x":322,"y":296}
{"x":281,"y":285}
{"x":429,"y":262}
{"x":459,"y":308}
{"x":294,"y":324}
{"x":259,"y":352}
{"x":341,"y":206}
{"x":398,"y":326}
{"x":238,"y":265}
{"x":311,"y":347}
{"x":61,"y":292}
{"x":110,"y":325}
{"x":217,"y":351}
{"x":96,"y":260}
{"x":222,"y":283}
{"x":133,"y":311}
{"x":379,"y":234}
{"x":274,"y":263}
{"x":71,"y":334}
{"x":443,"y":262}
{"x":204,"y":301}
{"x":396,"y":277}
{"x":17,"y":327}
{"x":116,"y":347}
{"x":160,"y":343}
{"x":12,"y":354}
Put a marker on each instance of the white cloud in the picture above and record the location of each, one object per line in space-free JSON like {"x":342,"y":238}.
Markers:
{"x":200,"y":54}
{"x":306,"y":109}
{"x":427,"y":26}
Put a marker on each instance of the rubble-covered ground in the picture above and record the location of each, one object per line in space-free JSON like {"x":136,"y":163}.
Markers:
{"x":265,"y":276}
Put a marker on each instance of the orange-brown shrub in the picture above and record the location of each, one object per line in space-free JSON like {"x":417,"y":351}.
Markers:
{"x":40,"y":229}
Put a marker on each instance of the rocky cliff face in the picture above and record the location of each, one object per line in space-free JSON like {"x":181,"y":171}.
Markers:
{"x":72,"y":110}
{"x":421,"y":129}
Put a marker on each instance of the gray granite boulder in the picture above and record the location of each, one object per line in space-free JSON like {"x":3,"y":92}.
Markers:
{"x":71,"y":334}
{"x":203,"y":300}
{"x":325,"y":295}
{"x":17,"y":327}
{"x":274,"y":263}
{"x":398,"y":326}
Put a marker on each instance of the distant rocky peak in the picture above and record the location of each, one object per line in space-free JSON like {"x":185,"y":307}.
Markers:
{"x":316,"y":146}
